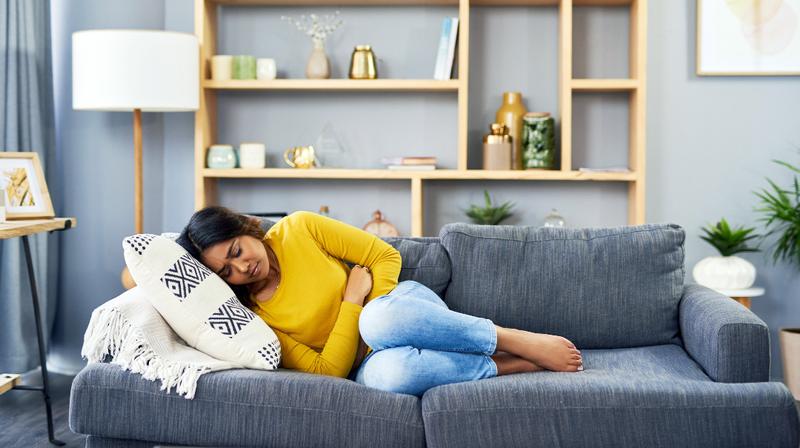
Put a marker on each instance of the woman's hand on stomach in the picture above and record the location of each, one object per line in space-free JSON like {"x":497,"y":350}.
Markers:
{"x":359,"y":285}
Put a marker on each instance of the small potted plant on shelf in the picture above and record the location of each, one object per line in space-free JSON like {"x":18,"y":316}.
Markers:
{"x":318,"y":28}
{"x":489,"y":214}
{"x":780,"y":208}
{"x":726,"y":271}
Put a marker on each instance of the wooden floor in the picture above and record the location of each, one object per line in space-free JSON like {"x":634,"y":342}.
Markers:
{"x":23,"y":421}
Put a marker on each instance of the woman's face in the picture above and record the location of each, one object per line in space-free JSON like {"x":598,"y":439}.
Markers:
{"x":239,"y":261}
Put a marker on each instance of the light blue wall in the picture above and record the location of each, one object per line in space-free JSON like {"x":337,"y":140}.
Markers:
{"x":710,"y":140}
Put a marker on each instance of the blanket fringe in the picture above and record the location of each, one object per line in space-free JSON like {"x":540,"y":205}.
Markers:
{"x":110,"y":333}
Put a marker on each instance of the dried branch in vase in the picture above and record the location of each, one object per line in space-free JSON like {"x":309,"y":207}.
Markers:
{"x":316,"y":27}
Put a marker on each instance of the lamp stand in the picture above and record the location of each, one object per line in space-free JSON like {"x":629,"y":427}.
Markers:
{"x":125,"y":276}
{"x":137,"y":166}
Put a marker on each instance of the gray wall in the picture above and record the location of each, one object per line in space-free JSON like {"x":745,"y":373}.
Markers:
{"x":96,"y":154}
{"x":710,"y":140}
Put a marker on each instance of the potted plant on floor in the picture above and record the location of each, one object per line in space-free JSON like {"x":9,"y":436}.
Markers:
{"x":780,"y":208}
{"x":726,"y":271}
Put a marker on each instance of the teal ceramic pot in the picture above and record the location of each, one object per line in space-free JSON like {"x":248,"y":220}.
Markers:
{"x":221,"y":157}
{"x":538,"y":141}
{"x":244,"y":67}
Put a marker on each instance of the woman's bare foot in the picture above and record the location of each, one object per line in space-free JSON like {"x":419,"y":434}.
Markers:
{"x":545,"y":350}
{"x":508,"y":363}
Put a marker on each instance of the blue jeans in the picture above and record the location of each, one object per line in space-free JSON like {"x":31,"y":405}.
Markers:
{"x":419,"y":343}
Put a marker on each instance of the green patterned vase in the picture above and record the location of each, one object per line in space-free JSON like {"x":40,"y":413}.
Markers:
{"x":538,"y":141}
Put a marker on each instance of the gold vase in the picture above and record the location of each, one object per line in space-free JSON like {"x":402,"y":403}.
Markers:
{"x":510,"y":114}
{"x":362,"y":63}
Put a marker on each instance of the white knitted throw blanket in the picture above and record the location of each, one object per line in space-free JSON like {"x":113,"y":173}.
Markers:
{"x":137,"y":338}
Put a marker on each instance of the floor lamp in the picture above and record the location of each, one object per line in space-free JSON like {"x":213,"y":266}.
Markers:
{"x":139,"y":71}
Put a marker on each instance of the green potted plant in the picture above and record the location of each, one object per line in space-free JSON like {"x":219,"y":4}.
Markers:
{"x":489,"y":214}
{"x":726,"y":271}
{"x":780,"y":209}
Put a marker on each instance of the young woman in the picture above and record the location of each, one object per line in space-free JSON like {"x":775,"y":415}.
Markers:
{"x":358,"y":323}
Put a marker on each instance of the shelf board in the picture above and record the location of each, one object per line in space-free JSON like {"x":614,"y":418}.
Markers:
{"x":605,"y":85}
{"x":384,"y":174}
{"x":416,"y":2}
{"x":336,"y":2}
{"x":8,"y":381}
{"x":427,"y":85}
{"x":548,"y":2}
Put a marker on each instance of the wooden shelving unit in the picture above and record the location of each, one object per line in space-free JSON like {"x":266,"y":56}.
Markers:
{"x":634,"y":86}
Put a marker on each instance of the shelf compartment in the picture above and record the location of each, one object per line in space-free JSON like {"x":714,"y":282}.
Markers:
{"x":379,"y":174}
{"x":601,"y":40}
{"x":426,"y":85}
{"x":604,"y":85}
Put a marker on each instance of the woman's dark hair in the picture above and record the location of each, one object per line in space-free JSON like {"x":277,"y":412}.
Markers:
{"x":212,"y":225}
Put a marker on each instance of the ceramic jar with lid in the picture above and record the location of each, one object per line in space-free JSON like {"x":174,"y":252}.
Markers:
{"x":497,"y":147}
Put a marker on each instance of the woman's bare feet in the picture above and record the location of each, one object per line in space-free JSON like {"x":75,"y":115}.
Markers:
{"x":508,"y":363}
{"x":545,"y":350}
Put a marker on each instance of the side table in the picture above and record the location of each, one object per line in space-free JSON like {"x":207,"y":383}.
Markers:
{"x":742,"y":296}
{"x":24,"y":228}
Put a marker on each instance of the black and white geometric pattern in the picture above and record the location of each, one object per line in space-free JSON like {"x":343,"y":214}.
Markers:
{"x":139,"y":242}
{"x":271,"y":353}
{"x":231,"y":317}
{"x":184,"y":276}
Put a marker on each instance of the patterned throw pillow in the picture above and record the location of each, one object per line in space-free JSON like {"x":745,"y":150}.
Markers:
{"x":198,"y":305}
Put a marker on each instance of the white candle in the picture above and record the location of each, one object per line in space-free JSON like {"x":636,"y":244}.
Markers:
{"x":266,"y":69}
{"x":221,"y":67}
{"x":252,"y":155}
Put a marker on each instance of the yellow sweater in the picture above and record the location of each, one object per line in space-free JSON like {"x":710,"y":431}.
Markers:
{"x":318,"y":331}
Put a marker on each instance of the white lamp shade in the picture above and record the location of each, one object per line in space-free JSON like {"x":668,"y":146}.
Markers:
{"x":122,"y":70}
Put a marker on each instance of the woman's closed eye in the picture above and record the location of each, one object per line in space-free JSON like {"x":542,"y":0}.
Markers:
{"x":227,"y":270}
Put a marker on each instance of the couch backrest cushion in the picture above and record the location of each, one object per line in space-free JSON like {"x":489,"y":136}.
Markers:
{"x":599,"y":287}
{"x":424,"y":261}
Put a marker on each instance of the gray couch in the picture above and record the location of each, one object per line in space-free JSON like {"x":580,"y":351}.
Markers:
{"x":667,"y":364}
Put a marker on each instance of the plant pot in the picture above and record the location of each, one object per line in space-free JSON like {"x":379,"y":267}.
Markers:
{"x":724,"y":273}
{"x":790,"y":356}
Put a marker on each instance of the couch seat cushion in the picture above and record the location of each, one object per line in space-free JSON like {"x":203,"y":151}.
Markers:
{"x":649,"y":396}
{"x":244,"y":408}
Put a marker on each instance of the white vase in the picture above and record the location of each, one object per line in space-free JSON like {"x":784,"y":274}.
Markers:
{"x":318,"y":66}
{"x":724,"y":273}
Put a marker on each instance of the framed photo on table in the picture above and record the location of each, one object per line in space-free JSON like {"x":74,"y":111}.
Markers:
{"x":748,"y":37}
{"x":24,"y":186}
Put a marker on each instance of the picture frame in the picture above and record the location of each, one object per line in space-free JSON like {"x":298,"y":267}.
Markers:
{"x":748,"y":38}
{"x":22,"y":179}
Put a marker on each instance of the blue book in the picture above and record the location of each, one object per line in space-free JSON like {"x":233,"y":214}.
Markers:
{"x":451,"y":48}
{"x":444,"y":45}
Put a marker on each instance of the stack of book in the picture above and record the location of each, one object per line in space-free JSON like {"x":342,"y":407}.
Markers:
{"x":447,"y":49}
{"x":410,"y":163}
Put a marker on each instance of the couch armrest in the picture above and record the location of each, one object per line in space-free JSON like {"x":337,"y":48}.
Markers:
{"x":728,"y":341}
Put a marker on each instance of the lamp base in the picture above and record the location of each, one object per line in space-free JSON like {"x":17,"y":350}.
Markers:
{"x":126,"y":279}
